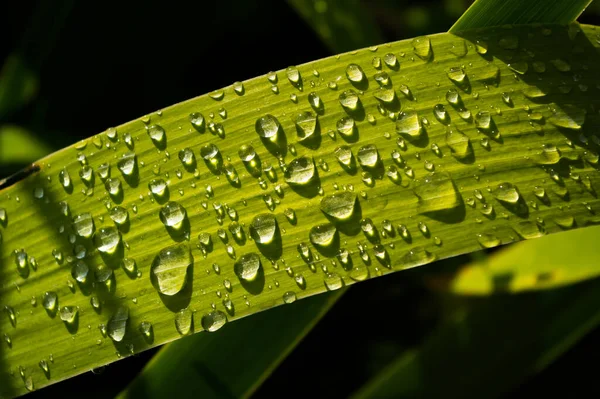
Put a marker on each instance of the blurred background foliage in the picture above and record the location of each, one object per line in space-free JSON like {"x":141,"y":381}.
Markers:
{"x":72,"y":69}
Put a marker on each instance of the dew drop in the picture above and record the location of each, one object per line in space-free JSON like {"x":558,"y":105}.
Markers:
{"x":170,"y":269}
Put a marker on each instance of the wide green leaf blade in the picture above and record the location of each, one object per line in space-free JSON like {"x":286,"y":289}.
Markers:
{"x":486,"y":13}
{"x":470,"y":142}
{"x":486,"y":348}
{"x":200,"y":366}
{"x":18,"y":145}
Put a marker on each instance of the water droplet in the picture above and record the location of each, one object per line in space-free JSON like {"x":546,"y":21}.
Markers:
{"x":488,"y":240}
{"x":422,"y":47}
{"x":289,"y":297}
{"x":172,"y":214}
{"x":315,"y":101}
{"x":386,"y":96}
{"x":368,"y":156}
{"x":349,"y":100}
{"x":459,"y":143}
{"x":127,"y":164}
{"x":483,"y":120}
{"x":507,"y":193}
{"x":306,"y":125}
{"x":64,"y":178}
{"x":568,"y":116}
{"x":170,"y":269}
{"x":263,"y":228}
{"x":197,"y":121}
{"x":457,"y":75}
{"x":107,"y":240}
{"x":417,"y":256}
{"x":213,"y":321}
{"x":158,"y":136}
{"x":68,"y":314}
{"x":267,"y":127}
{"x":117,"y":325}
{"x":300,"y":171}
{"x":561,"y":65}
{"x":354,"y":73}
{"x":119,"y":215}
{"x":50,"y":301}
{"x":409,"y":125}
{"x":390,"y":60}
{"x":346,"y":126}
{"x":83,"y":225}
{"x":113,"y":186}
{"x":439,"y":111}
{"x":333,"y":281}
{"x":339,"y":206}
{"x":323,"y":235}
{"x":437,"y":193}
{"x":184,"y":320}
{"x":247,"y":267}
{"x":293,"y":75}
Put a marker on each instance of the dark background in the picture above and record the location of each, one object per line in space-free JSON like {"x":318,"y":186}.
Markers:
{"x":100,"y":64}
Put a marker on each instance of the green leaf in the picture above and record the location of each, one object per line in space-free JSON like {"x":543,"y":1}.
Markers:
{"x":18,"y":145}
{"x":531,"y":265}
{"x":486,"y":348}
{"x":200,"y":366}
{"x":486,"y":13}
{"x":343,"y":25}
{"x":433,"y":182}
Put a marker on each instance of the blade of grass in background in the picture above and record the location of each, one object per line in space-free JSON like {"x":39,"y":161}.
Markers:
{"x":546,"y":263}
{"x":466,"y":118}
{"x":486,"y":13}
{"x":343,"y":25}
{"x":234,"y":362}
{"x":488,"y":346}
{"x":17,"y":145}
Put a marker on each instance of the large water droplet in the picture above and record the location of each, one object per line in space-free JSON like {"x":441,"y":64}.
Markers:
{"x":107,"y":240}
{"x":127,"y":164}
{"x":368,"y":156}
{"x":339,"y":206}
{"x":568,"y":116}
{"x":459,"y":143}
{"x":247,"y":267}
{"x":263,"y":228}
{"x":422,"y":47}
{"x":300,"y":171}
{"x":170,"y":269}
{"x":197,"y":121}
{"x":437,"y":193}
{"x":507,"y":192}
{"x":354,"y":73}
{"x":409,"y":125}
{"x":267,"y":126}
{"x":83,"y":225}
{"x":172,"y":214}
